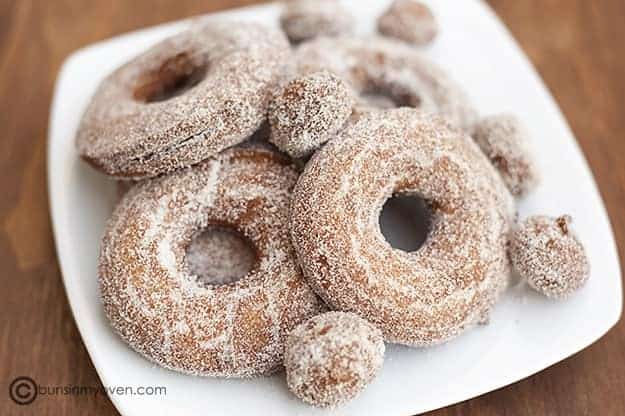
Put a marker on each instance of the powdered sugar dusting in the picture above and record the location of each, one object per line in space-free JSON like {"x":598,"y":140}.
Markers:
{"x":416,"y":298}
{"x":332,"y":357}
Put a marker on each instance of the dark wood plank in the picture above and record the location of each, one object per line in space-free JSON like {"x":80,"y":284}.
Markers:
{"x":575,"y":44}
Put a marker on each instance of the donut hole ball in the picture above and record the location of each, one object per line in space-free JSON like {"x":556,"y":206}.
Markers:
{"x":405,"y":222}
{"x":547,"y":253}
{"x":332,"y":357}
{"x":307,"y":19}
{"x":505,"y":142}
{"x":173,"y":77}
{"x":308,"y":112}
{"x":220,"y":255}
{"x":410,"y":21}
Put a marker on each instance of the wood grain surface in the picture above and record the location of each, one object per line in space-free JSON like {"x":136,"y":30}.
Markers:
{"x":577,"y":46}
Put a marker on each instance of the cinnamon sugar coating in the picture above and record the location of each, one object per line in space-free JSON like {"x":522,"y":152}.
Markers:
{"x":388,"y":73}
{"x":418,"y":298}
{"x":184,"y":100}
{"x":306,"y":19}
{"x":547,"y":253}
{"x":308,"y":112}
{"x":505,"y":142}
{"x":332,"y":357}
{"x":410,"y":21}
{"x":163,"y":311}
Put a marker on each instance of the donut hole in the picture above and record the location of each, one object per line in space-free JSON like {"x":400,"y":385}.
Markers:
{"x":174,"y":77}
{"x":220,"y":256}
{"x":405,"y":222}
{"x":386,"y":95}
{"x":378,"y":100}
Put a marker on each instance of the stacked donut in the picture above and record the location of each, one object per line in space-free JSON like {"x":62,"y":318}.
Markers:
{"x":250,"y":237}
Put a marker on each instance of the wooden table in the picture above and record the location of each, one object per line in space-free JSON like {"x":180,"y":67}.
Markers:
{"x":577,"y":46}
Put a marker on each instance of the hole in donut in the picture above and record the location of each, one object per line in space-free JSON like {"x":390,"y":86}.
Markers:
{"x":388,"y":95}
{"x":220,"y":256}
{"x":405,"y":222}
{"x":381,"y":101}
{"x":174,"y":77}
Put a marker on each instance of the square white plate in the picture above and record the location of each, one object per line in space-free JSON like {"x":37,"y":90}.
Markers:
{"x":527,"y":333}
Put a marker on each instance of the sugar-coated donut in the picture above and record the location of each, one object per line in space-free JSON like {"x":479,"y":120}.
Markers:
{"x":332,"y":357}
{"x":416,"y":298}
{"x":388,"y":73}
{"x":410,"y":21}
{"x":308,"y":111}
{"x":306,"y":19}
{"x":506,"y":143}
{"x":184,"y":100}
{"x":161,"y":309}
{"x":547,"y":253}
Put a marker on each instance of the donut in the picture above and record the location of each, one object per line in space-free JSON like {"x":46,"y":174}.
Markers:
{"x":308,"y":111}
{"x":387,"y":74}
{"x":549,"y":256}
{"x":410,"y":21}
{"x":416,"y":298}
{"x":306,"y":19}
{"x":184,"y":100}
{"x":505,"y":142}
{"x":163,"y":311}
{"x":332,"y":357}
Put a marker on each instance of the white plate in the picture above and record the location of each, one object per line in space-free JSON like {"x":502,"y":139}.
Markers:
{"x":527,"y":332}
